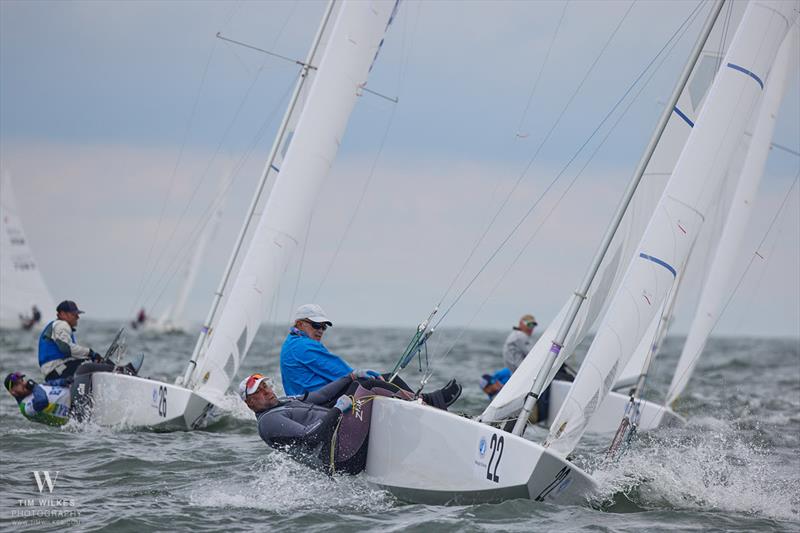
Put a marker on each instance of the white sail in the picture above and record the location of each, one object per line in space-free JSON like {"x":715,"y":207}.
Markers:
{"x":21,"y":282}
{"x":679,"y":216}
{"x":511,"y":397}
{"x":353,"y":43}
{"x":173,"y":318}
{"x":716,"y":289}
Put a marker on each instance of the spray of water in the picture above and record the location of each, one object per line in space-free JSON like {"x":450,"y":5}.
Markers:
{"x":710,"y":465}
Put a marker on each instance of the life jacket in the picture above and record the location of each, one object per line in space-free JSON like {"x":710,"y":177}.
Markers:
{"x":48,"y":348}
{"x":56,"y":413}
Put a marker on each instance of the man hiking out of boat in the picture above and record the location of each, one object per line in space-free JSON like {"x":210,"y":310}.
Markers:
{"x":333,"y":439}
{"x":54,"y":404}
{"x":519,"y":342}
{"x":46,"y":404}
{"x":59,"y":353}
{"x":307,"y":365}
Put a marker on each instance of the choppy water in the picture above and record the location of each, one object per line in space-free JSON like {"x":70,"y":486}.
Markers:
{"x":736,"y":466}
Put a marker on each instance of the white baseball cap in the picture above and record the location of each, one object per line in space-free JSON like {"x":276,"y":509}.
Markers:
{"x":250,"y":384}
{"x":312,"y":312}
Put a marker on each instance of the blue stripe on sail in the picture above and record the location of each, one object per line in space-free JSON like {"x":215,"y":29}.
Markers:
{"x":683,"y":116}
{"x":276,"y":169}
{"x":749,"y":73}
{"x":658,"y":261}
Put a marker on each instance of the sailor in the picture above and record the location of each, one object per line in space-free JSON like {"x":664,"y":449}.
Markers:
{"x":492,"y":383}
{"x":47,"y":404}
{"x":307,"y":365}
{"x":59,"y":353}
{"x":519,"y":342}
{"x":29,"y":322}
{"x":310,"y":431}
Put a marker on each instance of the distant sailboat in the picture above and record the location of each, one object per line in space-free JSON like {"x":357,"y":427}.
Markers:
{"x":22,"y":288}
{"x":173,"y":319}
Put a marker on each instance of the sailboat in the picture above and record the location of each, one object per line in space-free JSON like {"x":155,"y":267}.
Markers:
{"x":430,"y":456}
{"x":331,"y":79}
{"x":22,"y":286}
{"x":172,"y":320}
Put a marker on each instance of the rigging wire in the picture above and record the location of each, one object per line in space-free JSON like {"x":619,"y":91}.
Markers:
{"x":564,"y":193}
{"x":183,"y":252}
{"x":678,"y":31}
{"x":541,"y":69}
{"x":399,"y":85}
{"x":148,"y":271}
{"x":205,"y":172}
{"x":521,"y":176}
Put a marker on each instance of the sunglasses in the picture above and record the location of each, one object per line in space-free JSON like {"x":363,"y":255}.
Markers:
{"x":531,"y":324}
{"x":317,"y":325}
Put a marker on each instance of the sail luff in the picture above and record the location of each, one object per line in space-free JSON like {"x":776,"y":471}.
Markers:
{"x":346,"y":59}
{"x":715,"y":291}
{"x":679,"y":215}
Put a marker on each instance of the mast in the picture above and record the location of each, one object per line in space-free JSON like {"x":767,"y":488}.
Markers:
{"x":313,"y":135}
{"x":268,"y":167}
{"x":581,"y":292}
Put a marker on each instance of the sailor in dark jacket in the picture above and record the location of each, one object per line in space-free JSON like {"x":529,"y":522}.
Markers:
{"x":300,"y":425}
{"x":311,"y":427}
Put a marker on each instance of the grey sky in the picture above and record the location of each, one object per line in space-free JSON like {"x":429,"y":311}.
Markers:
{"x":95,"y":98}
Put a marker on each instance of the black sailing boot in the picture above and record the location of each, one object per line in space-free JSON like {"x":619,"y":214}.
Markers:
{"x":444,"y":397}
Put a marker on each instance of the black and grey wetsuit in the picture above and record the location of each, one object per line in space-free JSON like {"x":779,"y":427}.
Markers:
{"x":301,"y":425}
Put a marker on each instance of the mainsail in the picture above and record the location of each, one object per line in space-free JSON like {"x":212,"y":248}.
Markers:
{"x":716,"y":289}
{"x":341,"y":72}
{"x":679,"y":215}
{"x":21,"y":283}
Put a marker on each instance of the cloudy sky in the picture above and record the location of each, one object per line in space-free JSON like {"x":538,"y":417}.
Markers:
{"x":119,"y":119}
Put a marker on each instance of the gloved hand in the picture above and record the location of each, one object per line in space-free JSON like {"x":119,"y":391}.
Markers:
{"x":30,"y":383}
{"x":344,"y":404}
{"x":94,"y":356}
{"x":363,"y":373}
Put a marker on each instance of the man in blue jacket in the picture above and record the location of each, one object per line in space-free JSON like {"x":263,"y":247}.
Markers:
{"x":59,"y":353}
{"x":307,"y":365}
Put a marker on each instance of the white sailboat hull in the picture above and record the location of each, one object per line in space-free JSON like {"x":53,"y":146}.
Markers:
{"x":608,"y":416}
{"x":430,"y":456}
{"x":133,"y":402}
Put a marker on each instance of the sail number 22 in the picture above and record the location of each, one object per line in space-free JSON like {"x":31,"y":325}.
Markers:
{"x":496,"y":444}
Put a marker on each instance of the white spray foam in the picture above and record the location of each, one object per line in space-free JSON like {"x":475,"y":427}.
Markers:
{"x":707,"y":466}
{"x":280,"y":485}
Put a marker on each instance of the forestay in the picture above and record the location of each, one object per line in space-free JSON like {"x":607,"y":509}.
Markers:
{"x":21,"y":282}
{"x":716,"y":290}
{"x":679,"y":215}
{"x":509,"y":400}
{"x":342,"y":71}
